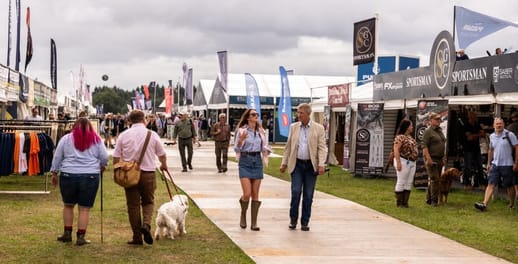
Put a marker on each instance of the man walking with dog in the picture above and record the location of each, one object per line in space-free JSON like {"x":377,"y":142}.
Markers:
{"x":304,"y":156}
{"x":220,"y":132}
{"x":434,"y":149}
{"x":141,"y":196}
{"x":500,"y":164}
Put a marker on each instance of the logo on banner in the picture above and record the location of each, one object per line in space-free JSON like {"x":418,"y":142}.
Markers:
{"x":364,"y":40}
{"x":442,"y":59}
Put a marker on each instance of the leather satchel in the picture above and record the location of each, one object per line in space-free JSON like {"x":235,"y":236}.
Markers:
{"x":127,"y":173}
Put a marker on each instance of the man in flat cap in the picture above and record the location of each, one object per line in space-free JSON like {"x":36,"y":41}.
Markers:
{"x":434,"y":150}
{"x":220,"y":132}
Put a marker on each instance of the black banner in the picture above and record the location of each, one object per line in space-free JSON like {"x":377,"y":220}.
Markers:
{"x":364,"y":47}
{"x":504,"y":72}
{"x":53,"y":65}
{"x":471,"y":77}
{"x":369,"y":140}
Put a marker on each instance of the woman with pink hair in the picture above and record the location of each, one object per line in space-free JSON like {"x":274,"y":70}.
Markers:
{"x":80,"y":157}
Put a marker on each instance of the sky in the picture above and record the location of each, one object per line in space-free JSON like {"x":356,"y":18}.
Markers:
{"x":135,"y":42}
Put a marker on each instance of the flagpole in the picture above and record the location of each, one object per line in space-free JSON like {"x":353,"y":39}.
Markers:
{"x":9,"y":36}
{"x":454,"y":17}
{"x":154,"y":98}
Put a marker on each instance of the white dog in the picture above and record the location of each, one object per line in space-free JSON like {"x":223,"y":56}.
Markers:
{"x":170,"y":219}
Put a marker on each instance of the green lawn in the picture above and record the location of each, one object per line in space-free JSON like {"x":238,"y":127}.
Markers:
{"x":493,"y":232}
{"x":30,"y":224}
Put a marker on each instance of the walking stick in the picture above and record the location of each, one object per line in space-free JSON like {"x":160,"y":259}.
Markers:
{"x":102,"y":240}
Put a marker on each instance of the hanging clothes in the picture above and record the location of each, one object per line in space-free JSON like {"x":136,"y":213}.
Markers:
{"x":34,"y":166}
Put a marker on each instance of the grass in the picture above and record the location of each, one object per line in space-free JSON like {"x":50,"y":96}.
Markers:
{"x":30,"y":224}
{"x":493,"y":232}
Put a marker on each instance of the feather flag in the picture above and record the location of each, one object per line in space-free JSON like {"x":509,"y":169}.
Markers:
{"x":146,"y":91}
{"x":223,"y":69}
{"x":53,"y":65}
{"x":28,"y":52}
{"x":253,"y":100}
{"x":188,"y":87}
{"x":17,"y":58}
{"x":284,"y":104}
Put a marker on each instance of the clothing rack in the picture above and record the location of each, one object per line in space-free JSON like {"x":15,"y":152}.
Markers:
{"x":27,"y":128}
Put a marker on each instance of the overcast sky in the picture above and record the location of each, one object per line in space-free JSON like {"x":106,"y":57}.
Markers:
{"x":135,"y":42}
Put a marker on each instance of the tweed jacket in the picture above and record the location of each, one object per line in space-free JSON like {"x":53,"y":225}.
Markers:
{"x":317,"y":146}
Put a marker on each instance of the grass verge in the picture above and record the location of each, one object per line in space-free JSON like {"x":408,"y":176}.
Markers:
{"x":493,"y":232}
{"x":30,"y":224}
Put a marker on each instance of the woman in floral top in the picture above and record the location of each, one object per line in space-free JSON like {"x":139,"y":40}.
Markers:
{"x":405,"y":155}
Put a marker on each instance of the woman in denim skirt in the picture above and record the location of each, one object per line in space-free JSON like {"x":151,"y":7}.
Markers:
{"x":252,"y":152}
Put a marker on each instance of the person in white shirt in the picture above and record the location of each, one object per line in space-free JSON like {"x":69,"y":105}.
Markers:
{"x":35,"y":115}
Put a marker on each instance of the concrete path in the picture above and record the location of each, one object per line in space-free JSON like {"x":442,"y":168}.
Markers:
{"x":341,"y":231}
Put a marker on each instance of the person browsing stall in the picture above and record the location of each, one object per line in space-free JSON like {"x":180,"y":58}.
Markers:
{"x":434,"y":149}
{"x":405,"y":156}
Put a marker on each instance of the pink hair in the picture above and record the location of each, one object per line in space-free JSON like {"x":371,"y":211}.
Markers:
{"x":84,"y":135}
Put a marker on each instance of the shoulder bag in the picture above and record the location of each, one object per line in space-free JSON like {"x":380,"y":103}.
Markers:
{"x":127,"y":173}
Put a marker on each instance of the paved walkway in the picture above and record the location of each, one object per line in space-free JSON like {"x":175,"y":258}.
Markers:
{"x":341,"y":231}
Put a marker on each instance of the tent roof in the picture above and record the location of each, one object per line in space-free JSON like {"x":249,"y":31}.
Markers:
{"x":202,"y":95}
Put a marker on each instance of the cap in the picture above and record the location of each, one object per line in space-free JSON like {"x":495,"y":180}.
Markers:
{"x":434,"y":115}
{"x":183,"y":113}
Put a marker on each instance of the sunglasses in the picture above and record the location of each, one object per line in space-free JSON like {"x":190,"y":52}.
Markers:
{"x":254,"y":114}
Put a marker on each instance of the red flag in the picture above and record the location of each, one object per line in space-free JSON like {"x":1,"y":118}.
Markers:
{"x":146,"y":91}
{"x":167,"y":96}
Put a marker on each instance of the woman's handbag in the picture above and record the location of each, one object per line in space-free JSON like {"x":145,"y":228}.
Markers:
{"x":127,"y":173}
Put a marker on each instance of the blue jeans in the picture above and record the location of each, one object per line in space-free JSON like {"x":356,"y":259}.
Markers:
{"x":303,"y":181}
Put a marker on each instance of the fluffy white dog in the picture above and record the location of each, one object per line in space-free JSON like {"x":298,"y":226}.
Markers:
{"x":170,"y":219}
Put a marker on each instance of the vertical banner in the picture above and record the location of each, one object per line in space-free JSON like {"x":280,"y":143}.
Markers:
{"x":184,"y":81}
{"x":284,"y":104}
{"x":188,"y":87}
{"x":369,"y":140}
{"x":172,"y":95}
{"x":137,"y":104}
{"x":9,"y":36}
{"x":28,"y":52}
{"x":364,"y":41}
{"x":424,"y":108}
{"x":167,"y":98}
{"x":347,"y":137}
{"x":53,"y":65}
{"x":17,"y":59}
{"x":146,"y":91}
{"x":24,"y":88}
{"x":253,"y":101}
{"x":223,"y":69}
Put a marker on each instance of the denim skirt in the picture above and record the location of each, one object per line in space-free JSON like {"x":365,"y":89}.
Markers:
{"x":251,"y":166}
